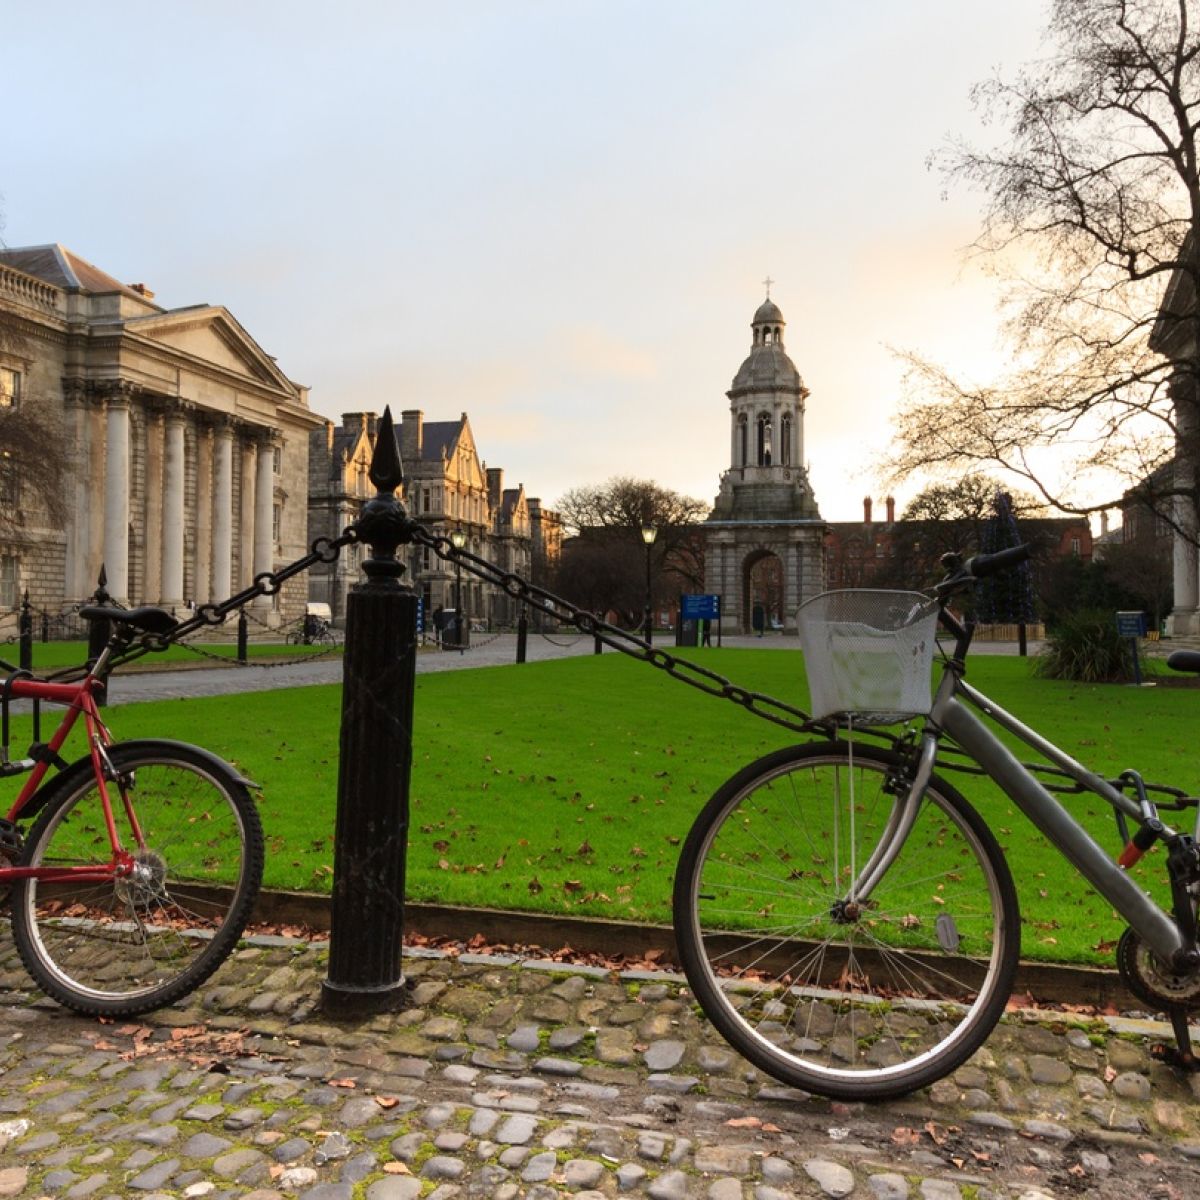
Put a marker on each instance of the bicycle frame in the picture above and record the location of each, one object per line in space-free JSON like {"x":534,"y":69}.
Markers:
{"x":950,"y":715}
{"x":80,"y":701}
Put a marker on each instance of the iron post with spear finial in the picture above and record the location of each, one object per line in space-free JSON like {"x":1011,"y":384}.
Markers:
{"x":375,"y":758}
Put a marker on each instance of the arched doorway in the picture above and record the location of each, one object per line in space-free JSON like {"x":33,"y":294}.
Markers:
{"x":762,"y":592}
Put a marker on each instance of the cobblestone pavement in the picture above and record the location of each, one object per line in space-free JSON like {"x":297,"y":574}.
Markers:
{"x":505,"y":1079}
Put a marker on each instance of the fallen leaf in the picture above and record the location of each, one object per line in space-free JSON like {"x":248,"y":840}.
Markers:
{"x":396,"y":1168}
{"x":343,"y":1083}
{"x":744,"y":1123}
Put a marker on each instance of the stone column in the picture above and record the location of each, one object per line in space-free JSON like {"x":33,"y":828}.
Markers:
{"x":116,"y":496}
{"x":246,"y":549}
{"x":95,"y":487}
{"x":152,"y":508}
{"x":202,"y":549}
{"x":171,"y":591}
{"x":264,"y":514}
{"x":222,"y":533}
{"x":1184,"y":619}
{"x":76,"y":582}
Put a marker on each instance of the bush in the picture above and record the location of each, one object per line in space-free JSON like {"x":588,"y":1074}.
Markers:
{"x":1085,"y":647}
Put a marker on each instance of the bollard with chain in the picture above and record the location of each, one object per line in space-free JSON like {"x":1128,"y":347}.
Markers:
{"x":379,"y":681}
{"x":241,"y":635}
{"x":25,"y":634}
{"x":98,"y":631}
{"x":522,"y":635}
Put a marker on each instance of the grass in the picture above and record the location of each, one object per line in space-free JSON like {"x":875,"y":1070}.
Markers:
{"x":568,"y":786}
{"x":53,"y":656}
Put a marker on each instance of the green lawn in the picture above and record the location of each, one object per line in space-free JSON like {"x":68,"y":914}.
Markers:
{"x":568,"y":786}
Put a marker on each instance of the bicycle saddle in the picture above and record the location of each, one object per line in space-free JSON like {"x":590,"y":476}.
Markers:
{"x":1184,"y":660}
{"x":147,"y":618}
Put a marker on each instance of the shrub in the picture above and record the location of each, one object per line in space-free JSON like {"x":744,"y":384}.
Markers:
{"x":1085,"y":647}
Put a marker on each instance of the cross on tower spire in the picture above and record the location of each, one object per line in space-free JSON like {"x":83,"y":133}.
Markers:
{"x":767,"y":283}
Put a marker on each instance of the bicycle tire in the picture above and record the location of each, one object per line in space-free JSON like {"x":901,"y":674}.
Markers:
{"x":851,"y":1005}
{"x":126,"y":946}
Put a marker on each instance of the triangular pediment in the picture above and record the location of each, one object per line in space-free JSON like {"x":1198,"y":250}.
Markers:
{"x":210,"y":334}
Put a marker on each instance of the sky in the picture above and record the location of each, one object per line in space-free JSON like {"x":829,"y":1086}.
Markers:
{"x":553,"y":215}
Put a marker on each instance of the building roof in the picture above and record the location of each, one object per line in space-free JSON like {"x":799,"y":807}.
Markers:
{"x":55,"y":264}
{"x":768,"y":313}
{"x":768,"y":368}
{"x":438,"y":438}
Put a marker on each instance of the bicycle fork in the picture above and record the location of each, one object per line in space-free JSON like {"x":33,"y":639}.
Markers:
{"x":908,"y":793}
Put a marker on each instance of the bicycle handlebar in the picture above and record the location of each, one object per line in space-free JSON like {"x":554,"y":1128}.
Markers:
{"x":983,"y":565}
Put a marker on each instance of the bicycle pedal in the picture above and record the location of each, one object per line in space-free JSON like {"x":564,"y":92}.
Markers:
{"x":12,"y":844}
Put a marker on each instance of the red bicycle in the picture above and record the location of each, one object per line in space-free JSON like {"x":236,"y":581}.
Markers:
{"x":144,"y":858}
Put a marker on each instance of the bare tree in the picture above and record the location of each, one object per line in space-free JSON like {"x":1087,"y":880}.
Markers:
{"x":1092,"y":210}
{"x":603,"y":565}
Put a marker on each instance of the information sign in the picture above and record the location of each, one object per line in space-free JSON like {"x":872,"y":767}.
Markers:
{"x":701,"y":607}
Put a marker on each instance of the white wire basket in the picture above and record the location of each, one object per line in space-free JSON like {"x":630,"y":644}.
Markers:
{"x":869,"y":654}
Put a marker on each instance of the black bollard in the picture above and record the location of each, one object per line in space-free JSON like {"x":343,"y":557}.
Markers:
{"x":371,"y":837}
{"x":25,"y":634}
{"x":99,"y":631}
{"x":522,"y":635}
{"x":45,"y":626}
{"x":241,"y":634}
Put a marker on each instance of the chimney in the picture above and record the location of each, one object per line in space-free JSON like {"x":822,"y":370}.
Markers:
{"x":495,"y":478}
{"x":891,"y":509}
{"x":1104,"y":522}
{"x":142,"y":290}
{"x":412,"y":435}
{"x":866,"y":510}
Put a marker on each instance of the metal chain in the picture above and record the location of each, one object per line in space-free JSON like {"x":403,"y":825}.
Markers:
{"x":266,"y":583}
{"x":566,"y":613}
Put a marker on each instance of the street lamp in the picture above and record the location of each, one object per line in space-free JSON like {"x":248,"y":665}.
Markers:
{"x":458,"y":539}
{"x":649,"y":533}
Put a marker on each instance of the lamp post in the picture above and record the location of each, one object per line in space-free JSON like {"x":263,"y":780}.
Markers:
{"x":458,"y":540}
{"x":649,"y":533}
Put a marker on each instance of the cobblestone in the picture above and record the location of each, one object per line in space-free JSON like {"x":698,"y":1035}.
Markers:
{"x":584,"y":1085}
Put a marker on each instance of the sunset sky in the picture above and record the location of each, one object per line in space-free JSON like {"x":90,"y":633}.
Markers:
{"x":555,"y":216}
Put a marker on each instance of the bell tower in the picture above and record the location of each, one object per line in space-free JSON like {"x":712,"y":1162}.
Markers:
{"x":764,"y":536}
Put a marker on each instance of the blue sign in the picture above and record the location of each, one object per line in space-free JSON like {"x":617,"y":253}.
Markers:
{"x":420,"y":614}
{"x":701,"y":608}
{"x":1131,"y":624}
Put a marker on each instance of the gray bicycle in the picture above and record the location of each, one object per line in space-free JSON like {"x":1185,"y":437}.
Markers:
{"x":847,"y":920}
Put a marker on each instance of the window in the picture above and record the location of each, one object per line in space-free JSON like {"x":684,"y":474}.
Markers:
{"x":764,"y":440}
{"x":1075,"y":546}
{"x":742,"y":459}
{"x":785,"y":437}
{"x":10,"y":387}
{"x":276,"y":522}
{"x":8,"y":581}
{"x":277,"y":460}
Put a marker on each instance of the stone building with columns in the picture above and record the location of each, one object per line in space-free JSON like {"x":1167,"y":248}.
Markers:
{"x":447,"y":487}
{"x":1176,"y":336}
{"x":763,"y":538}
{"x":187,"y":445}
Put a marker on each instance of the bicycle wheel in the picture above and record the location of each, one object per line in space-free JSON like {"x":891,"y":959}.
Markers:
{"x":126,"y":945}
{"x":854,"y":1001}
